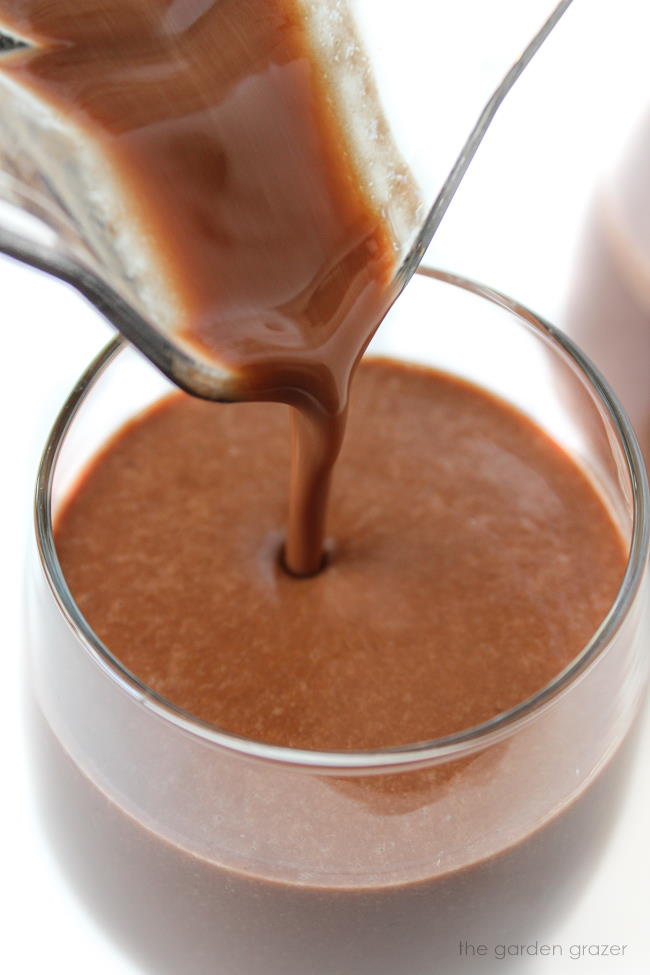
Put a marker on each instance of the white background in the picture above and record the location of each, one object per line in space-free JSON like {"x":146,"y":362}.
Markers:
{"x":514,"y":224}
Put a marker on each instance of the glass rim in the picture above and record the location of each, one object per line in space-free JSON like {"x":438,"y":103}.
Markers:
{"x":400,"y":756}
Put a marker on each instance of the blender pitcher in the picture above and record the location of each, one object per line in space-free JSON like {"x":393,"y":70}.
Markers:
{"x":65,"y":208}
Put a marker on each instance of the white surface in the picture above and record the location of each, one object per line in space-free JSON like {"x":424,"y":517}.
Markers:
{"x":514,"y":224}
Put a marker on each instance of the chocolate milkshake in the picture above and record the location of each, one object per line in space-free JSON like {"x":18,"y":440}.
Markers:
{"x":424,"y":621}
{"x":422,"y":624}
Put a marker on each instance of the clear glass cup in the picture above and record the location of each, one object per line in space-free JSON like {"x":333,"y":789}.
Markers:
{"x":609,"y":304}
{"x":202,"y":851}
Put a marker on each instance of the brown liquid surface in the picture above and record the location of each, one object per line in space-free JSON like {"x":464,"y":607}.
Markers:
{"x":470,"y":562}
{"x":220,"y":126}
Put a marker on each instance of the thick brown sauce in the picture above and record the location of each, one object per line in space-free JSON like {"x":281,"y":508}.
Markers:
{"x":470,"y":562}
{"x":220,"y":129}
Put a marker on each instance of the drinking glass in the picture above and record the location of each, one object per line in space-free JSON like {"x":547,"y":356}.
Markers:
{"x":609,"y":304}
{"x":203,"y":852}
